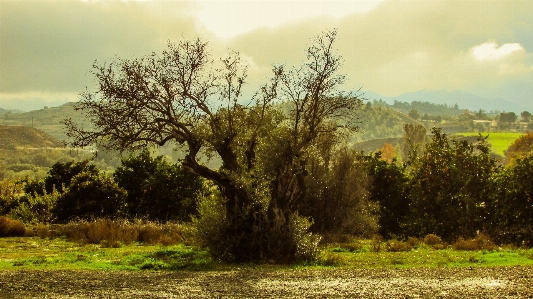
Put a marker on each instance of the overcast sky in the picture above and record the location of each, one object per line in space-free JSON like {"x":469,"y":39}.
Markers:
{"x":389,"y":47}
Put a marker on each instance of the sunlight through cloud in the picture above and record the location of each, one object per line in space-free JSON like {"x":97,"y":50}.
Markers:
{"x":491,"y":50}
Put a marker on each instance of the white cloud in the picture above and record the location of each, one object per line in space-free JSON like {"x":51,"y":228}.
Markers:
{"x":491,"y":51}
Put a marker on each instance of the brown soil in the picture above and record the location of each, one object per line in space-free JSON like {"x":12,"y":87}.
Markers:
{"x":500,"y":282}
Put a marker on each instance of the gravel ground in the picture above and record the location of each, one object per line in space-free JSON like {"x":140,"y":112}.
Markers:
{"x":502,"y":282}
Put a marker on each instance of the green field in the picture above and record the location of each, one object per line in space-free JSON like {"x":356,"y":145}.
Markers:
{"x":18,"y":253}
{"x":499,"y":141}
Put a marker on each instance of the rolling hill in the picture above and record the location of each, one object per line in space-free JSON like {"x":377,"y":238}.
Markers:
{"x":12,"y":137}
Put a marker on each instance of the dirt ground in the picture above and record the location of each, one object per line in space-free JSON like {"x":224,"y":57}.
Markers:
{"x":479,"y":282}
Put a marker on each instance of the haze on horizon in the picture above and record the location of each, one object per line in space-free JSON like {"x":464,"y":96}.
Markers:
{"x":390,"y":47}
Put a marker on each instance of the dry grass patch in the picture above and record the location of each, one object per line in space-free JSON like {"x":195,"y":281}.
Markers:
{"x":11,"y":228}
{"x":480,"y":242}
{"x":112,"y":233}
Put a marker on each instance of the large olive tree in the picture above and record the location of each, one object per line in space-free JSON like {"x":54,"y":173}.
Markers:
{"x":184,"y":96}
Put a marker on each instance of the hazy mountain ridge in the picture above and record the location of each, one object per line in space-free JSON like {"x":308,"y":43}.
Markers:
{"x":463,"y":99}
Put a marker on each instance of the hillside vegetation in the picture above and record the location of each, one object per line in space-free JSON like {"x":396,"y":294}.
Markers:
{"x":12,"y":137}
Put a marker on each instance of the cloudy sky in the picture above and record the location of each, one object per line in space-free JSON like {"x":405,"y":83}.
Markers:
{"x":389,"y":47}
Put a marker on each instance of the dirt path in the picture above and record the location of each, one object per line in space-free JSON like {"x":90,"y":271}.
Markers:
{"x":508,"y":282}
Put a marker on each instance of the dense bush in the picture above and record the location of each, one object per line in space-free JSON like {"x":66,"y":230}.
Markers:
{"x":214,"y":231}
{"x":449,"y":187}
{"x":35,"y":209}
{"x":91,"y":196}
{"x":158,"y":190}
{"x":389,"y":182}
{"x":512,"y":205}
{"x":59,"y":176}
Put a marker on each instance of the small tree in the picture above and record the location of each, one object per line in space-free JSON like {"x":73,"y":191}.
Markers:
{"x":414,"y":114}
{"x":511,"y":207}
{"x":414,"y":139}
{"x":389,"y":188}
{"x":526,"y":116}
{"x":449,"y":188}
{"x":181,"y":96}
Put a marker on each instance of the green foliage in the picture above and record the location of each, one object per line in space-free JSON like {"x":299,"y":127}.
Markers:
{"x":91,"y":196}
{"x":389,"y":181}
{"x":449,"y":188}
{"x":35,"y":210}
{"x":512,"y":204}
{"x":157,"y":189}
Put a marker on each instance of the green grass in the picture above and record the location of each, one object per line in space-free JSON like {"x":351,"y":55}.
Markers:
{"x":19,"y":253}
{"x":424,"y":257}
{"x":36,"y":253}
{"x":499,"y":141}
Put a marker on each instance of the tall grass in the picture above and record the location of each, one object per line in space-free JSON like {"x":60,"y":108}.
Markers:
{"x":11,"y":228}
{"x":113,"y":233}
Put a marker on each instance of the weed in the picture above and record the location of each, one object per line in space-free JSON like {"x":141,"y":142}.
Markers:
{"x":11,"y":228}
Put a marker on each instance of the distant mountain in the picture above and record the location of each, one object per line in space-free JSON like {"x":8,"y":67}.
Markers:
{"x":12,"y":137}
{"x":4,"y":111}
{"x":463,"y":99}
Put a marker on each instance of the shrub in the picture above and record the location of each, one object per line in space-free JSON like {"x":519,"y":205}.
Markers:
{"x":397,"y":246}
{"x":35,"y":210}
{"x":11,"y":228}
{"x":432,"y":239}
{"x":480,"y":242}
{"x":280,"y":242}
{"x":158,"y":190}
{"x":414,"y":242}
{"x":91,"y":196}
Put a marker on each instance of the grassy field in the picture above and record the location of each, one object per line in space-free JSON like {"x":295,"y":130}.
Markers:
{"x":499,"y":141}
{"x":17,"y":253}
